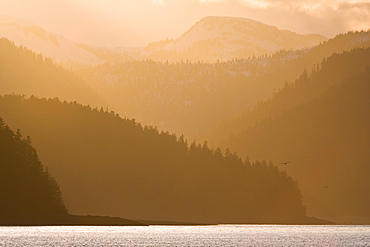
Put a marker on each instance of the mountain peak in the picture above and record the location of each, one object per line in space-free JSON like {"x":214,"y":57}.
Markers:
{"x":223,"y":37}
{"x":229,"y":19}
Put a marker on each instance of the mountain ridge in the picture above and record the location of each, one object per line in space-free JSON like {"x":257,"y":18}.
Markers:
{"x":225,"y":38}
{"x":210,"y":39}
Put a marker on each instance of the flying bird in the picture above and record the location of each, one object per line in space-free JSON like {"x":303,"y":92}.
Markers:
{"x":284,"y":163}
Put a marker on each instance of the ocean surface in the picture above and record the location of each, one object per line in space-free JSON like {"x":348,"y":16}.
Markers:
{"x":219,"y":235}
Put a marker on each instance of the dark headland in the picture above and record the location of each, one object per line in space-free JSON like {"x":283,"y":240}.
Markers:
{"x":69,"y":220}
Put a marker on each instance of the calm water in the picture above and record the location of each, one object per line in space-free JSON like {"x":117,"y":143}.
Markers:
{"x":222,"y":235}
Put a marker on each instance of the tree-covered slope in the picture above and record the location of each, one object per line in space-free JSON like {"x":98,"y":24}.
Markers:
{"x":27,"y":190}
{"x":191,"y":97}
{"x":320,"y":123}
{"x":107,"y":165}
{"x":331,"y":71}
{"x":24,"y":72}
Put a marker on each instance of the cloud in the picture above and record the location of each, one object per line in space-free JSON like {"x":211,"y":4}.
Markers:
{"x":262,"y":4}
{"x":309,"y":6}
{"x":357,"y":14}
{"x":328,"y":17}
{"x":160,"y":2}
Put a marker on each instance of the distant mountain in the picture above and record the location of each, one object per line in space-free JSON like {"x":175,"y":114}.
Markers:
{"x":59,"y":49}
{"x":210,"y":39}
{"x":320,"y":123}
{"x":108,"y":165}
{"x":224,"y":38}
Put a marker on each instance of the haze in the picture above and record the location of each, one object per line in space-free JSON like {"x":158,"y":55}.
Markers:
{"x":139,"y":22}
{"x":220,"y":112}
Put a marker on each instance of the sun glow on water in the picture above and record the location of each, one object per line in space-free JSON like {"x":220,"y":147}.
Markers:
{"x":219,"y":235}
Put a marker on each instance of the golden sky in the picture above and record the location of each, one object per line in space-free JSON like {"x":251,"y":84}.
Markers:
{"x":138,"y":22}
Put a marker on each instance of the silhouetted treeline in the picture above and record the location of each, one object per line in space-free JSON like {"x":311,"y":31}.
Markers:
{"x":27,"y":190}
{"x":24,"y":72}
{"x":107,"y":165}
{"x":321,"y":122}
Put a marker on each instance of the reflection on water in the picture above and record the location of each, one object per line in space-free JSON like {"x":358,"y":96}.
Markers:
{"x":221,"y":235}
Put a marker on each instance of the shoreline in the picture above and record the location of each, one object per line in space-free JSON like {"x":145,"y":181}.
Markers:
{"x":90,"y":220}
{"x":70,"y":220}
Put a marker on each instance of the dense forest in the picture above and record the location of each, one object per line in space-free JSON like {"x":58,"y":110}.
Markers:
{"x":27,"y":190}
{"x":29,"y":195}
{"x":189,"y":97}
{"x":108,"y":165}
{"x":321,"y":123}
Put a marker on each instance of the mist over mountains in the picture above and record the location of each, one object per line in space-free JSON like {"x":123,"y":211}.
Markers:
{"x":190,"y":98}
{"x":233,"y":83}
{"x":319,"y":122}
{"x":209,"y":40}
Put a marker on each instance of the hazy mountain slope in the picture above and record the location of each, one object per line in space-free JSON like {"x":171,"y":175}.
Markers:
{"x":290,"y":64}
{"x":225,"y":38}
{"x":327,"y":138}
{"x":118,"y":54}
{"x":27,"y":190}
{"x":60,"y":50}
{"x":190,"y":98}
{"x":308,"y":86}
{"x":107,"y":165}
{"x":23,"y":72}
{"x":183,"y":98}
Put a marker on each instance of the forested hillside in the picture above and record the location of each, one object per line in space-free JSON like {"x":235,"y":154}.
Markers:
{"x":27,"y":190}
{"x":321,"y":124}
{"x":108,"y":165}
{"x":24,"y":72}
{"x":310,"y":84}
{"x":189,"y":98}
{"x":185,"y":97}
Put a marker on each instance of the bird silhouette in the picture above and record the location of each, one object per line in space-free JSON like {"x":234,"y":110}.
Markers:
{"x":284,"y":163}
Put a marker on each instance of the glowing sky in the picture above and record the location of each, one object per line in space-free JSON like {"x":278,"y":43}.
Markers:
{"x":138,"y":22}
